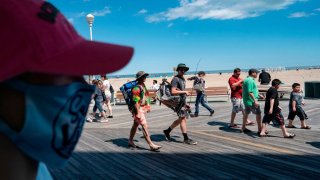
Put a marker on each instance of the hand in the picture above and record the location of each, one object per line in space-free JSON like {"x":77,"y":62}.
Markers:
{"x":187,"y":93}
{"x":138,"y":115}
{"x":270,"y":111}
{"x":256,"y":104}
{"x":303,"y":103}
{"x":294,"y":109}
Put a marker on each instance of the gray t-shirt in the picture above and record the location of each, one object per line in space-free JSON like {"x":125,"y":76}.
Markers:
{"x":298,"y":98}
{"x":179,"y":82}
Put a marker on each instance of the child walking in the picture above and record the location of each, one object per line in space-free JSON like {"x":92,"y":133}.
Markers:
{"x":295,"y":107}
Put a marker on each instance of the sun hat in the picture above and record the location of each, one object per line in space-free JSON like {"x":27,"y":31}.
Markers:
{"x":140,"y":74}
{"x":182,"y":66}
{"x":36,"y":37}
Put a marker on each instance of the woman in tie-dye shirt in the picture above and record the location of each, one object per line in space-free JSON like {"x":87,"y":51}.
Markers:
{"x":141,"y":100}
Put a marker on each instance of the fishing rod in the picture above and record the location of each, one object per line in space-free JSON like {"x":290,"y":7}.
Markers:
{"x":195,"y":73}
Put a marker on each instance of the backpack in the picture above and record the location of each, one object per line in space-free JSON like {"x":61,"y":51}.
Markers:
{"x":174,"y":102}
{"x":126,"y":90}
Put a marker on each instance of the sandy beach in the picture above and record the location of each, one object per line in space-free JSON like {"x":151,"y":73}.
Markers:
{"x":287,"y":77}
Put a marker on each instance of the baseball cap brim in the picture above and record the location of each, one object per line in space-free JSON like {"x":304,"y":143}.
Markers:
{"x":87,"y":58}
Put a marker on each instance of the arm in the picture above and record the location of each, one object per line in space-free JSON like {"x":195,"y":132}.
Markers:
{"x":254,"y":99}
{"x":235,"y":84}
{"x":271,"y":106}
{"x":294,"y":106}
{"x":191,"y":78}
{"x":175,"y":90}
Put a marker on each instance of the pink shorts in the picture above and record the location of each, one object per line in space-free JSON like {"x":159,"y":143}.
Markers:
{"x":142,"y":120}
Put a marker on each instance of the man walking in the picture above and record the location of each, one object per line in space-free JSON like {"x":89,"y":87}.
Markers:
{"x":178,"y":84}
{"x":235,"y":83}
{"x":250,"y":97}
{"x":264,"y":77}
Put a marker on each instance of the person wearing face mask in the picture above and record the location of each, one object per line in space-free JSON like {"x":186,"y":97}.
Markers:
{"x":41,"y":69}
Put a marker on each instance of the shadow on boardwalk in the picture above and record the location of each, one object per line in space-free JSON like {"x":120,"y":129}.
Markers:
{"x":148,"y":165}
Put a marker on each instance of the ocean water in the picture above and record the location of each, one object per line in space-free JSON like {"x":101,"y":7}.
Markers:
{"x":170,"y":74}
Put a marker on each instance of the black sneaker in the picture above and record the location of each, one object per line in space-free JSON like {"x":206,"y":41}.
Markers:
{"x":190,"y":141}
{"x":195,"y":115}
{"x":211,"y":112}
{"x":110,"y":117}
{"x":167,"y":135}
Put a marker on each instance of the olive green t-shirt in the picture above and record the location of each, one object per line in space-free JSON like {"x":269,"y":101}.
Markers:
{"x":249,"y":86}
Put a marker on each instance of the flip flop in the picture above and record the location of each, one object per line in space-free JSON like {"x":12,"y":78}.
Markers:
{"x":155,"y":149}
{"x":306,"y":127}
{"x":133,"y":146}
{"x":250,"y":123}
{"x":233,"y":126}
{"x":264,"y":135}
{"x":245,"y":130}
{"x":291,"y":126}
{"x":290,"y":136}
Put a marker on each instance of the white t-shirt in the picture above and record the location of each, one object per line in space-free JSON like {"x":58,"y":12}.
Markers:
{"x":155,"y":86}
{"x":107,"y":85}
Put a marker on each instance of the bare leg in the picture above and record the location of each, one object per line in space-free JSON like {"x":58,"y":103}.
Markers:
{"x":303,"y":123}
{"x":284,"y":131}
{"x":109,"y":107}
{"x":147,"y":136}
{"x":133,"y":132}
{"x":263,"y":129}
{"x":233,"y":116}
{"x":244,"y":120}
{"x":175,"y":123}
{"x":290,"y":123}
{"x":259,"y":123}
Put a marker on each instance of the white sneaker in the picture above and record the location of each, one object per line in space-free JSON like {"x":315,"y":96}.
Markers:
{"x":103,"y":121}
{"x":89,"y":119}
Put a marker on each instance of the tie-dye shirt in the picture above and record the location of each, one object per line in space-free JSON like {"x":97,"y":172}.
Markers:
{"x":140,"y":95}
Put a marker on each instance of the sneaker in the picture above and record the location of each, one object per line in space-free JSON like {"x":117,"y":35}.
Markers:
{"x":212,"y":112}
{"x":190,"y":141}
{"x":110,"y":117}
{"x":195,"y":115}
{"x":89,"y":119}
{"x":167,"y":135}
{"x":103,"y":121}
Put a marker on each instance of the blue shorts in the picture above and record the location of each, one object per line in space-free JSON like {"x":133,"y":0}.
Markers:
{"x":97,"y":105}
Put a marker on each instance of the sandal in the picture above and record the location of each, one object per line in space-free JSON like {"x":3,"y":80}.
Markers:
{"x":251,"y":123}
{"x":306,"y":127}
{"x":245,"y":130}
{"x":233,"y":126}
{"x":290,"y":136}
{"x":263,"y":135}
{"x":155,"y":149}
{"x":291,"y":126}
{"x":133,"y":146}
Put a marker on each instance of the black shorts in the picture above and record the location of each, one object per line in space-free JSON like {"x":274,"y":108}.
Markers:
{"x":300,"y":113}
{"x":276,"y":118}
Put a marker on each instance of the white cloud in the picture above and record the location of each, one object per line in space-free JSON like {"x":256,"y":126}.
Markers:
{"x":143,"y":11}
{"x":185,"y":34}
{"x":298,"y":15}
{"x":220,"y":9}
{"x":170,"y":25}
{"x":317,"y":9}
{"x":103,"y":12}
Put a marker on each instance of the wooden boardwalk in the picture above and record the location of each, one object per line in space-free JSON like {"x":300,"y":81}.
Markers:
{"x":221,"y":152}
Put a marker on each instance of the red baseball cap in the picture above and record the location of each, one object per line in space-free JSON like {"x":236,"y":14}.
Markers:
{"x":36,"y":37}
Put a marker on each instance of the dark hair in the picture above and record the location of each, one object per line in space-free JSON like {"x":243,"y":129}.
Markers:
{"x":155,"y":81}
{"x":295,"y":85}
{"x":236,"y":70}
{"x":275,"y":82}
{"x":103,"y":76}
{"x":94,"y":82}
{"x":201,"y":72}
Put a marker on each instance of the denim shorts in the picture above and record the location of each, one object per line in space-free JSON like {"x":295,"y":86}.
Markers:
{"x":98,"y":105}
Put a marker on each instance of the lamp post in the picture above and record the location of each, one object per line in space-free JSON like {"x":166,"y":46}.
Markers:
{"x":90,"y":19}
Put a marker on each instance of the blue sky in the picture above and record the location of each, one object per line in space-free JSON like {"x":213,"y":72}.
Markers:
{"x":224,"y":33}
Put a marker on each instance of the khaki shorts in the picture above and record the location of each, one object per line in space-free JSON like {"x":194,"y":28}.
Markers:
{"x":253,"y":109}
{"x":237,"y":105}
